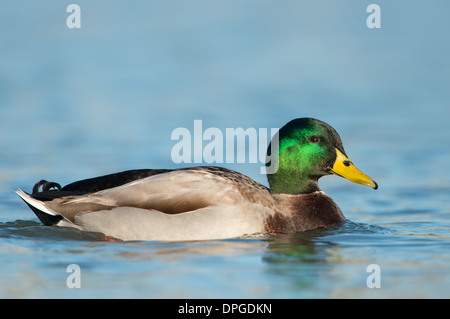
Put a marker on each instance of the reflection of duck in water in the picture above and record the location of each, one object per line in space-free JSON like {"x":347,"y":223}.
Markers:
{"x":208,"y":202}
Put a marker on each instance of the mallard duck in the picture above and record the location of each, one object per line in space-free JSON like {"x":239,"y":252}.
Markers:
{"x":207,"y":202}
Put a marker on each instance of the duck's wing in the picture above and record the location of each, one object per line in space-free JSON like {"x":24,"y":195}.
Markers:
{"x":166,"y":191}
{"x":96,"y":184}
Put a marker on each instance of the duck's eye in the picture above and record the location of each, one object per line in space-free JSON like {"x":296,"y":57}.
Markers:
{"x":314,"y":139}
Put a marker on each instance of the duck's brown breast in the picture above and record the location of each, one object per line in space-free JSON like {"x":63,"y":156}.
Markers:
{"x":296,"y":213}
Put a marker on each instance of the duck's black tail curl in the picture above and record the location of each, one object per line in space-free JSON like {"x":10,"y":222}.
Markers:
{"x":46,"y":186}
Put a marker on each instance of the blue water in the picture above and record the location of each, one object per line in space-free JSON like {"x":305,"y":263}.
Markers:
{"x":78,"y":103}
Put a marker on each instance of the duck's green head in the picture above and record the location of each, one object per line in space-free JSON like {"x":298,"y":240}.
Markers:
{"x":309,"y":149}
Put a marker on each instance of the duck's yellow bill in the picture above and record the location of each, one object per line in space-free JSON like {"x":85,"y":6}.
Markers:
{"x":345,"y":168}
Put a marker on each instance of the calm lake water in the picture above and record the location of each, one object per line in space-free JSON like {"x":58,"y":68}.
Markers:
{"x":78,"y":103}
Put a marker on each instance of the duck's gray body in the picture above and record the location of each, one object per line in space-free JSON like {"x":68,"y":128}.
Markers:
{"x":184,"y":204}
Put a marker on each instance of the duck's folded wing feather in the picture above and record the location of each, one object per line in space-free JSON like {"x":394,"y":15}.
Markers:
{"x":173,"y":192}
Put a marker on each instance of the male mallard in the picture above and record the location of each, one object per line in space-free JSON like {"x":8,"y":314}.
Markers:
{"x":208,"y":202}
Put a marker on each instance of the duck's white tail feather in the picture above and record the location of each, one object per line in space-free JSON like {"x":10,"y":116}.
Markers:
{"x":46,"y":215}
{"x":35,"y":203}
